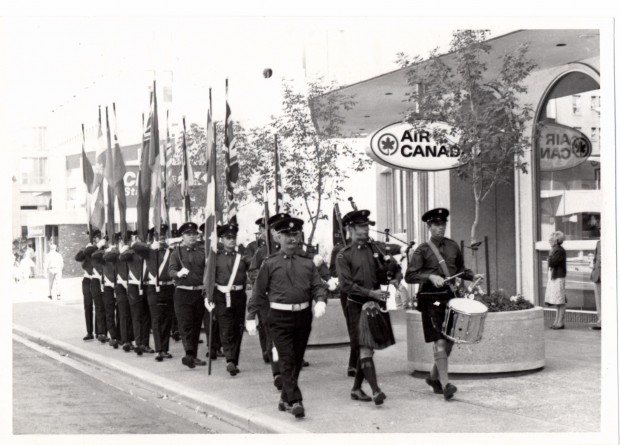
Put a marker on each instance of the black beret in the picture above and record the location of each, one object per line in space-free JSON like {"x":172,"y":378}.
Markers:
{"x":357,"y":217}
{"x":287,"y":225}
{"x":162,"y":229}
{"x":117,"y":236}
{"x":277,"y":217}
{"x":96,"y":232}
{"x":260,"y":221}
{"x":436,"y":215}
{"x":227,"y":229}
{"x":188,"y":227}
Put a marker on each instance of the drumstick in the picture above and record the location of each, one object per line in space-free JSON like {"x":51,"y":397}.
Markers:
{"x":453,"y":276}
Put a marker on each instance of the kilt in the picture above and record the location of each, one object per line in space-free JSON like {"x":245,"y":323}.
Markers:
{"x":432,"y":303}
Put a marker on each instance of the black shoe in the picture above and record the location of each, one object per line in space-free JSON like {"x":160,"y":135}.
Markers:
{"x":277,"y":382}
{"x":231,"y":368}
{"x":359,"y":394}
{"x":305,"y":364}
{"x":378,"y":397}
{"x":282,"y":406}
{"x":148,"y":350}
{"x":167,"y":355}
{"x":159,"y":357}
{"x":176,"y":336}
{"x":89,"y":337}
{"x":139,"y":350}
{"x":200,"y":340}
{"x":127,"y":347}
{"x":114,"y":343}
{"x":436,"y":384}
{"x":199,"y":362}
{"x":595,"y":328}
{"x":297,"y":409}
{"x":266,"y":358}
{"x":449,"y":391}
{"x":188,"y":361}
{"x":104,"y":339}
{"x":213,"y":356}
{"x":49,"y":296}
{"x":219,"y":353}
{"x":351,"y":372}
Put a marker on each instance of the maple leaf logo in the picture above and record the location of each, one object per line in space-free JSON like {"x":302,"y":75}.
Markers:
{"x":388,"y":145}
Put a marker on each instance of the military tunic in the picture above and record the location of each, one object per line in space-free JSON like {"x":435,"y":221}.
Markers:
{"x":125,"y":327}
{"x":139,"y":309}
{"x":109,"y":300}
{"x":96,"y":289}
{"x":88,"y":298}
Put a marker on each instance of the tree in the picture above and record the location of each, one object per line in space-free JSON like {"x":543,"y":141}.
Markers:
{"x":309,"y":157}
{"x":482,"y":109}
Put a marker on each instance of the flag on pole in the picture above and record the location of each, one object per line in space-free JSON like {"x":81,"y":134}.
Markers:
{"x":167,"y":163}
{"x":97,"y":216}
{"x":88,"y":176}
{"x":108,"y":175}
{"x":211,"y":209}
{"x":150,"y":151}
{"x":187,"y":176}
{"x":119,"y":177}
{"x":278,"y":180}
{"x":232,"y":165}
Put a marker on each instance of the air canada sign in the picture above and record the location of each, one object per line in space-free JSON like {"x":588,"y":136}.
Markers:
{"x":408,"y":147}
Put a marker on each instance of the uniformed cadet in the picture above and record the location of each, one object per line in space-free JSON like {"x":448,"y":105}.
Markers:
{"x":430,"y":264}
{"x":216,"y":342}
{"x":136,"y":294}
{"x":96,"y":286}
{"x":229,"y":295}
{"x":174,"y":330}
{"x":265,"y":339}
{"x":109,"y":300}
{"x":86,"y":263}
{"x":125,"y":328}
{"x":187,"y":264}
{"x":253,"y":247}
{"x":362,"y":268}
{"x":286,"y":285}
{"x":159,"y":289}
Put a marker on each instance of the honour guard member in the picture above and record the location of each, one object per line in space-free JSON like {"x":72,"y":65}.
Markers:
{"x":216,"y":343}
{"x":229,"y":296}
{"x":120,"y":290}
{"x":286,"y":285}
{"x":96,"y":286}
{"x":187,"y":265}
{"x":136,"y":294}
{"x":252,"y":248}
{"x":362,"y":268}
{"x":109,"y":300}
{"x":86,"y":264}
{"x":159,"y":289}
{"x":430,"y":265}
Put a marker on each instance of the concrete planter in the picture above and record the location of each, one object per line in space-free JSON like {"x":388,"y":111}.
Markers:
{"x":512,"y":341}
{"x":331,"y":328}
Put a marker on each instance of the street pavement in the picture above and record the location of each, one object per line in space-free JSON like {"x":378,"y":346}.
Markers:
{"x":563,"y":397}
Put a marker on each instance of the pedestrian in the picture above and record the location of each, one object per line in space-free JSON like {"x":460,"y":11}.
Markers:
{"x":595,"y":276}
{"x":286,"y":285}
{"x":87,"y":266}
{"x":96,"y":285}
{"x":54,"y":265}
{"x":229,"y":296}
{"x":555,"y":294}
{"x":431,"y":266}
{"x":362,"y":268}
{"x":187,"y":264}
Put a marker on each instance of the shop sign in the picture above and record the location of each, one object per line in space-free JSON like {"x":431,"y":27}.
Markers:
{"x":412,"y":147}
{"x":36,"y":231}
{"x":561,"y":147}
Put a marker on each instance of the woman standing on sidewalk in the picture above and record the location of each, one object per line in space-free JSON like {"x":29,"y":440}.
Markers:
{"x":555,"y":294}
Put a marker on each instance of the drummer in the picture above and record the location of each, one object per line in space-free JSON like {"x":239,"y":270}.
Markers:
{"x":430,"y":265}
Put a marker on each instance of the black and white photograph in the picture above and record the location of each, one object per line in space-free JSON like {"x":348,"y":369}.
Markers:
{"x":293,"y":224}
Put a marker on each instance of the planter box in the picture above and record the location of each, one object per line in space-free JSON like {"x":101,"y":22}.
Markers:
{"x":331,"y":328}
{"x":511,"y":341}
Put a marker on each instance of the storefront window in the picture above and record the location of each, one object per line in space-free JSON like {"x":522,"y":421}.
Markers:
{"x":568,"y":155}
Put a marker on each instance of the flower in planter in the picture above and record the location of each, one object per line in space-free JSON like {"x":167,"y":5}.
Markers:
{"x":499,"y":301}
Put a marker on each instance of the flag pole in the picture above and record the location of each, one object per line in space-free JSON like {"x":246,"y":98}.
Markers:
{"x":210,"y":339}
{"x":90,"y":229}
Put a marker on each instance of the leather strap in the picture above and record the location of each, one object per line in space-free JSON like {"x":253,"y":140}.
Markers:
{"x":442,"y":263}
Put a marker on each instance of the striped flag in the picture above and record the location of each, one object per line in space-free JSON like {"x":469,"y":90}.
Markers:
{"x":150,"y":150}
{"x":211,"y":209}
{"x":278,"y":181}
{"x":187,"y":176}
{"x":232,"y":165}
{"x":108,"y":175}
{"x":97,"y":215}
{"x":119,"y":177}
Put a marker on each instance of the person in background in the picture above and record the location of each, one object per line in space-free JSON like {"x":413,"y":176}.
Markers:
{"x":555,"y":294}
{"x":595,"y":276}
{"x":53,"y":266}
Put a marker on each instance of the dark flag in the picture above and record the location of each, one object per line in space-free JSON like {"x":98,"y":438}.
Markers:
{"x":150,"y":151}
{"x":108,"y":174}
{"x":97,"y":216}
{"x":187,"y":176}
{"x":232,"y":165}
{"x":88,"y":176}
{"x":119,"y":178}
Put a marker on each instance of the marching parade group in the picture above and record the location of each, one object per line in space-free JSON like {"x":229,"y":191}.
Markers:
{"x":156,"y":285}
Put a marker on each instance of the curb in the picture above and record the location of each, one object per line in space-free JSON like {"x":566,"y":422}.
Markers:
{"x":247,"y":419}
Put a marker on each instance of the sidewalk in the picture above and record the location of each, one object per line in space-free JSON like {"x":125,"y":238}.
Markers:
{"x":562,"y":397}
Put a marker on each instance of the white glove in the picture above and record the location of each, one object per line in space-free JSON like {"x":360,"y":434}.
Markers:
{"x":332,"y":283}
{"x":101,"y":243}
{"x":250,"y":325}
{"x":208,"y":305}
{"x":172,"y":241}
{"x":182,"y":273}
{"x":317,"y":260}
{"x":108,"y":249}
{"x":274,"y":355}
{"x":123,"y":248}
{"x":403,"y":249}
{"x":155,"y":245}
{"x":319,"y":309}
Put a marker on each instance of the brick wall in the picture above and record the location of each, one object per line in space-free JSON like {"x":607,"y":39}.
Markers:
{"x":71,"y":238}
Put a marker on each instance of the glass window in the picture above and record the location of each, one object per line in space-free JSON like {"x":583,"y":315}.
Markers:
{"x":569,"y":184}
{"x":34,"y":171}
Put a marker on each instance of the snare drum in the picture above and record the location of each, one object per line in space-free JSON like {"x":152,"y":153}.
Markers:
{"x":464,"y":320}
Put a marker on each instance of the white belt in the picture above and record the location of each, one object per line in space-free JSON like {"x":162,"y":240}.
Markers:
{"x":289,"y":307}
{"x":190,"y":287}
{"x":96,"y":275}
{"x":224,"y":289}
{"x":87,"y":275}
{"x":120,"y":281}
{"x":136,"y":283}
{"x":107,"y":282}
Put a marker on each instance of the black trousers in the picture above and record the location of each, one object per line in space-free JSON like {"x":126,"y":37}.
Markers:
{"x":264,"y":319}
{"x":216,"y":342}
{"x":262,"y":335}
{"x":161,"y":310}
{"x":97,"y":294}
{"x":139,"y":315}
{"x":290,"y":332}
{"x":354,"y":350}
{"x":232,"y":322}
{"x":109,"y":303}
{"x":88,"y":305}
{"x":124,"y":314}
{"x":189,"y":307}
